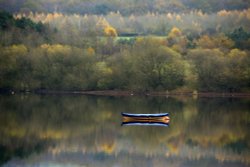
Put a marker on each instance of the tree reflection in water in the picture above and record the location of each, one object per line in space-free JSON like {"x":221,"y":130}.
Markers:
{"x":85,"y":130}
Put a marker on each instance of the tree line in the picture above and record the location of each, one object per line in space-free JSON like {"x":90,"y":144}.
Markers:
{"x":138,"y":7}
{"x":31,"y":59}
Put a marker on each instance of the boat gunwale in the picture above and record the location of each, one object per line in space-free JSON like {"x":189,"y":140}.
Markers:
{"x":145,"y":115}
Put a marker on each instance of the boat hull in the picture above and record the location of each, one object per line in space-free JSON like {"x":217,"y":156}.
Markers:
{"x":160,"y":119}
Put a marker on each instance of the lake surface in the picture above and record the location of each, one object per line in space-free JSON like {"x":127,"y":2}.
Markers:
{"x":69,"y":130}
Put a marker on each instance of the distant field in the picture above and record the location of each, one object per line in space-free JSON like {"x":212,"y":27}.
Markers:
{"x":133,"y":38}
{"x":139,"y":36}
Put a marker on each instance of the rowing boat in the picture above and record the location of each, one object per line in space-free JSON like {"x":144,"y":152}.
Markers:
{"x":159,"y":119}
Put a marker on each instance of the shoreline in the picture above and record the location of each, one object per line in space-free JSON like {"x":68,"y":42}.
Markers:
{"x":133,"y":93}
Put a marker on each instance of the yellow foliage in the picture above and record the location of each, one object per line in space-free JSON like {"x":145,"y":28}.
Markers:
{"x":57,"y":49}
{"x":53,"y":134}
{"x":173,"y":149}
{"x":56,"y":15}
{"x":223,"y":13}
{"x":248,"y":14}
{"x":108,"y":148}
{"x":219,"y":41}
{"x":237,"y":53}
{"x":17,"y":132}
{"x":49,"y":18}
{"x":175,"y":32}
{"x":169,"y":16}
{"x":16,"y":50}
{"x":205,"y":42}
{"x":91,"y":51}
{"x":103,"y":69}
{"x":178,"y":18}
{"x":176,"y":40}
{"x":223,"y":41}
{"x":102,"y":22}
{"x":110,"y":31}
{"x":217,"y":139}
{"x":151,"y":39}
{"x":177,"y":48}
{"x":45,"y":46}
{"x":139,"y":39}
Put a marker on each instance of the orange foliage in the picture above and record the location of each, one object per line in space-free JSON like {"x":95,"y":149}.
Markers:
{"x":175,"y":32}
{"x":91,"y":51}
{"x":219,"y":41}
{"x":223,"y":13}
{"x":177,"y":40}
{"x":110,"y":31}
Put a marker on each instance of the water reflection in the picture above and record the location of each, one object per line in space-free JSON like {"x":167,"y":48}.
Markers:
{"x":85,"y":131}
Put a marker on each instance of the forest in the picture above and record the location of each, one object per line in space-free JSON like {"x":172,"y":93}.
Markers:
{"x":126,"y":7}
{"x":185,"y":51}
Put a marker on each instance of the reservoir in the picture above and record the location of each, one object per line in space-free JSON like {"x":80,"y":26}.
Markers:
{"x":79,"y":130}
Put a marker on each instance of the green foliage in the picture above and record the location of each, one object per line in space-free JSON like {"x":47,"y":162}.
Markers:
{"x":238,"y":72}
{"x":6,"y":20}
{"x":209,"y":67}
{"x":102,"y":74}
{"x":79,"y":57}
{"x":156,"y":66}
{"x":219,"y":72}
{"x":25,"y":23}
{"x":22,"y":30}
{"x":241,"y":38}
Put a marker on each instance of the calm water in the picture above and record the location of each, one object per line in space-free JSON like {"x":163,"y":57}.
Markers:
{"x":86,"y":131}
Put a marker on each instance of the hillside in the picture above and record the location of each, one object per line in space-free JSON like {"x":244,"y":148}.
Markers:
{"x":125,"y":7}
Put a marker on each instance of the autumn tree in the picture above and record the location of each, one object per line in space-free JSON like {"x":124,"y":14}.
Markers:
{"x":102,"y":74}
{"x":238,"y":71}
{"x":218,"y":41}
{"x":176,"y":40}
{"x":157,"y":66}
{"x":210,"y":67}
{"x":106,"y":27}
{"x":15,"y":67}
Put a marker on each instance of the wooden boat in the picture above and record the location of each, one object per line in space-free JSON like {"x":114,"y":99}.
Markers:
{"x":160,"y":119}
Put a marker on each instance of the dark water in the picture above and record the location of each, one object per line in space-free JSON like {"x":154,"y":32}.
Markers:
{"x":86,"y":131}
